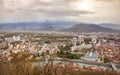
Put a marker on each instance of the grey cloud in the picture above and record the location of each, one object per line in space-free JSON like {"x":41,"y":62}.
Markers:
{"x":67,"y":13}
{"x":56,"y":8}
{"x":15,"y":10}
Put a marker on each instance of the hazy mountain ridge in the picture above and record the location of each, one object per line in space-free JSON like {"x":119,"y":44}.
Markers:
{"x":110,"y":25}
{"x":58,"y":26}
{"x":36,"y":26}
{"x":88,"y":28}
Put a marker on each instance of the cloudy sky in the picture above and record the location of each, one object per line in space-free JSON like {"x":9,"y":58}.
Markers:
{"x":93,"y":11}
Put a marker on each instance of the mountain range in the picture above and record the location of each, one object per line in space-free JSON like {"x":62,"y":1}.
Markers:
{"x":63,"y":26}
{"x":82,"y":27}
{"x":29,"y":26}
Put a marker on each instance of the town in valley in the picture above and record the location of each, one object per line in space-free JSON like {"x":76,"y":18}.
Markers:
{"x":86,"y":51}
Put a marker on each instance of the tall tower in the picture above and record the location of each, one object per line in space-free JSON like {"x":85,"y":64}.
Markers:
{"x":74,"y":41}
{"x":29,"y":44}
{"x":81,"y":38}
{"x":94,"y":39}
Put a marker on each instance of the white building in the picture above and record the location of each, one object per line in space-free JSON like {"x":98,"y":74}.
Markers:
{"x":91,"y":56}
{"x":81,"y":38}
{"x":83,"y":46}
{"x":14,"y":38}
{"x":94,"y":39}
{"x":74,"y":41}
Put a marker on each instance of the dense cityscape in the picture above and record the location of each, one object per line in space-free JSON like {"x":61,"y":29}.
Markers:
{"x":86,"y":51}
{"x":59,"y":37}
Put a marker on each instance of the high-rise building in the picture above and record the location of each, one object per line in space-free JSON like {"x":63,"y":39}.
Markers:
{"x":81,"y":38}
{"x":74,"y":41}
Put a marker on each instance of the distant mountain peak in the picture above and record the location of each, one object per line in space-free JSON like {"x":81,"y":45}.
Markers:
{"x":81,"y":27}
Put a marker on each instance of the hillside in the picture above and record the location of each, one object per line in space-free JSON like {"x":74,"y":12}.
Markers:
{"x":88,"y":28}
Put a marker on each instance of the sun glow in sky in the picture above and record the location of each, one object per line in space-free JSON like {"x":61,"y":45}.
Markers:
{"x":85,"y":5}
